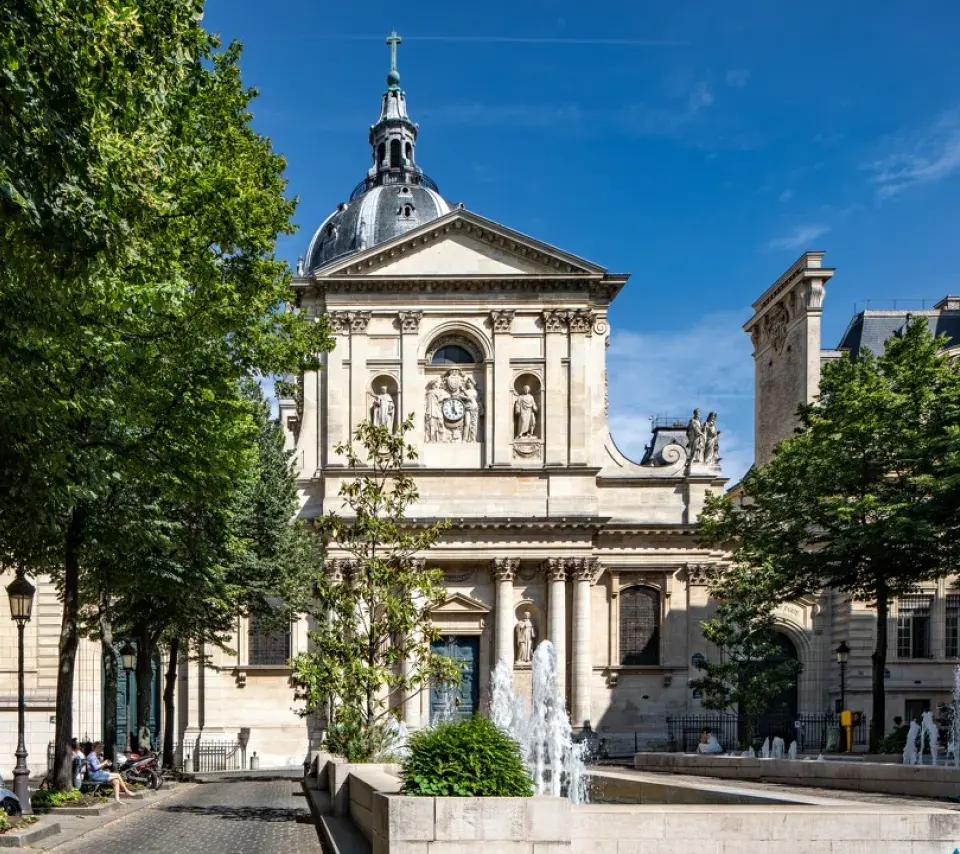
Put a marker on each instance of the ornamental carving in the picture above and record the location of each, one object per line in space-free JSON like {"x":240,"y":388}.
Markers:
{"x":410,"y":320}
{"x":777,"y":326}
{"x":697,"y":574}
{"x":502,"y":319}
{"x":453,"y":408}
{"x":339,"y":322}
{"x":555,"y":569}
{"x":582,"y":568}
{"x":554,"y":320}
{"x":527,"y":449}
{"x":581,"y":320}
{"x":505,"y":568}
{"x":453,"y":577}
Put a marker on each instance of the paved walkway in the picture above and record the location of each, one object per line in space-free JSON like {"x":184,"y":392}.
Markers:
{"x":264,"y":816}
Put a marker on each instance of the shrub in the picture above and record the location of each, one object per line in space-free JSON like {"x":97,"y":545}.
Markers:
{"x":4,"y":822}
{"x":45,"y":799}
{"x":895,"y":740}
{"x":465,"y":758}
{"x":359,"y":741}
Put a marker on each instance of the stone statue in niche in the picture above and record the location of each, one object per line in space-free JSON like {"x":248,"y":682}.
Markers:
{"x":384,"y":410}
{"x":696,"y":440}
{"x":711,"y":452}
{"x":453,"y":408}
{"x":526,"y":633}
{"x":525,"y":410}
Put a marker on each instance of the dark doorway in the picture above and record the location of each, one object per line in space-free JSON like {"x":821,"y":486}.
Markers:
{"x":127,"y":700}
{"x":465,"y":697}
{"x":782,"y":710}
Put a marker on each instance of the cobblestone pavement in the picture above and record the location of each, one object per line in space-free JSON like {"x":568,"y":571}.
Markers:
{"x":235,"y":817}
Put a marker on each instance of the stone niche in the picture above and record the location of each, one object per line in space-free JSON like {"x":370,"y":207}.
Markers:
{"x":527,"y":415}
{"x":382,"y":392}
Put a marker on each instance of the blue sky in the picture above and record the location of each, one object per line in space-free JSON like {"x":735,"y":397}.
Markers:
{"x":699,"y":146}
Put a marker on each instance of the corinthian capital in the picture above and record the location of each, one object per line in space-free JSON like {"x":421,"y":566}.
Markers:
{"x":555,"y":569}
{"x":504,"y":568}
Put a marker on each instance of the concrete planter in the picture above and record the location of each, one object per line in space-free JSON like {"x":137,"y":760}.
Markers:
{"x":21,"y":839}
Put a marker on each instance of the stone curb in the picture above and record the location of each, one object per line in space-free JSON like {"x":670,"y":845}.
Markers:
{"x":28,"y":837}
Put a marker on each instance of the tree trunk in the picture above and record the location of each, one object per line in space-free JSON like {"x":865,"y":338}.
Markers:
{"x":879,"y":665}
{"x":144,"y":681}
{"x":168,"y":691}
{"x":63,"y":758}
{"x":110,"y":676}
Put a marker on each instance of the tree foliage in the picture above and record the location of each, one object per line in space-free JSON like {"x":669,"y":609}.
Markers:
{"x":373,"y":605}
{"x":138,"y":284}
{"x":748,"y":674}
{"x":855,"y":501}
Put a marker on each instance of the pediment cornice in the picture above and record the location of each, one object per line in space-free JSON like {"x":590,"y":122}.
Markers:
{"x":459,"y":603}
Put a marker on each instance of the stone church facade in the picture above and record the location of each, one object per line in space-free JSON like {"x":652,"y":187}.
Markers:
{"x":495,"y":343}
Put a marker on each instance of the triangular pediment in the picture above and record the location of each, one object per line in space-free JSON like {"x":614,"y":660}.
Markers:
{"x":462,"y":243}
{"x":458,"y":603}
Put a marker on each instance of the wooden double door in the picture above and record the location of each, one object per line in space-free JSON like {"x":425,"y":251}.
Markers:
{"x":461,"y":700}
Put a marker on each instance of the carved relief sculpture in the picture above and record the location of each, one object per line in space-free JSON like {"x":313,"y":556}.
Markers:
{"x":410,"y":321}
{"x":502,"y":319}
{"x":384,"y":410}
{"x":525,"y":633}
{"x":359,"y":321}
{"x":697,"y":575}
{"x":453,"y":408}
{"x":696,"y":440}
{"x":777,"y":326}
{"x":525,"y":410}
{"x":711,"y":453}
{"x":554,"y":320}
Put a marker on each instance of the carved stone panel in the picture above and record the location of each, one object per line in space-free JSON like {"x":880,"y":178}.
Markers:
{"x":453,"y":408}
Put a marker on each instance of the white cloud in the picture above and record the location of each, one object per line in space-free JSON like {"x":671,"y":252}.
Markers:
{"x":737,"y":77}
{"x":923,"y":157}
{"x":706,"y":365}
{"x":786,"y":195}
{"x":799,"y":238}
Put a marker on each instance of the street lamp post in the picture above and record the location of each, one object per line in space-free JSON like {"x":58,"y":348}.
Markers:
{"x":20,"y":591}
{"x":843,"y":656}
{"x":128,"y":657}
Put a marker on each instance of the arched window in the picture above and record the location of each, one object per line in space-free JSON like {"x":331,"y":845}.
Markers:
{"x":408,"y":151}
{"x":639,"y":626}
{"x":394,"y":153}
{"x":381,"y":153}
{"x":452,"y":354}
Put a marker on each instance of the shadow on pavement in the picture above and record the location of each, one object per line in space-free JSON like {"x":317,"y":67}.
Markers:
{"x":267,"y":814}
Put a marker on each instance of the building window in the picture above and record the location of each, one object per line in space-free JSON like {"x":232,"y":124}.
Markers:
{"x":953,"y":625}
{"x":639,"y":626}
{"x":913,"y":626}
{"x":394,"y":153}
{"x":269,"y":643}
{"x":452,"y":354}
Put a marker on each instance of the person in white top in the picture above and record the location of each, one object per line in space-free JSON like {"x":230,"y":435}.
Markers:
{"x":708,"y":742}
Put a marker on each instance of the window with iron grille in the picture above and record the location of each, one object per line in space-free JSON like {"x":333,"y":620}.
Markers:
{"x":639,"y":626}
{"x":269,"y":643}
{"x":953,"y":625}
{"x":913,"y":626}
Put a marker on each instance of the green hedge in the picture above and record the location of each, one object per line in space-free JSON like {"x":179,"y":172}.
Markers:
{"x":44,"y":799}
{"x":466,"y":758}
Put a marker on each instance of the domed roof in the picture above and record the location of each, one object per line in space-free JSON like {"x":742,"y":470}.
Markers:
{"x":395,"y":196}
{"x":373,"y":217}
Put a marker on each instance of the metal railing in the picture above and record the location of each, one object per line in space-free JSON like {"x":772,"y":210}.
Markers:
{"x":817,"y":732}
{"x":205,"y":756}
{"x":394,"y":176}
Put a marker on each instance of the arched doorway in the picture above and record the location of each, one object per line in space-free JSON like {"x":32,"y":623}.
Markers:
{"x":782,"y":710}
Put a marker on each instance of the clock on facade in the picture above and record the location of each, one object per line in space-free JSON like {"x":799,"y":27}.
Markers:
{"x":452,"y":409}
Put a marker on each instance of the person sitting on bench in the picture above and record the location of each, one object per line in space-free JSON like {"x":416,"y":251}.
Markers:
{"x":708,"y":742}
{"x":97,"y":773}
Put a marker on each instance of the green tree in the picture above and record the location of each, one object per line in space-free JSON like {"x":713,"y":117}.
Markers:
{"x":373,"y":605}
{"x":139,"y":283}
{"x":852,"y":501}
{"x":747,"y":674}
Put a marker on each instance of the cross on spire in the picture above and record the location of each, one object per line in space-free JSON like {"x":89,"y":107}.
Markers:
{"x":393,"y":78}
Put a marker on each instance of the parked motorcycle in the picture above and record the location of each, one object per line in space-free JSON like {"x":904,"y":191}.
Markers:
{"x":143,"y":770}
{"x":9,"y":802}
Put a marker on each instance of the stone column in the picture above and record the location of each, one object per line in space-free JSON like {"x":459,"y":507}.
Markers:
{"x":557,"y":617}
{"x":504,"y":570}
{"x":410,"y":397}
{"x":335,"y":400}
{"x":359,"y":378}
{"x":583,"y":570}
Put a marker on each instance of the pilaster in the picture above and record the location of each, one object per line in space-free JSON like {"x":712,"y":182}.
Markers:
{"x":359,"y":380}
{"x":581,"y":327}
{"x":335,"y":381}
{"x":554,"y":397}
{"x":410,"y":397}
{"x":498,"y":390}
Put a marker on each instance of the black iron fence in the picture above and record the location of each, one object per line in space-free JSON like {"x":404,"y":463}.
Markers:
{"x":813,"y":732}
{"x":205,"y":756}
